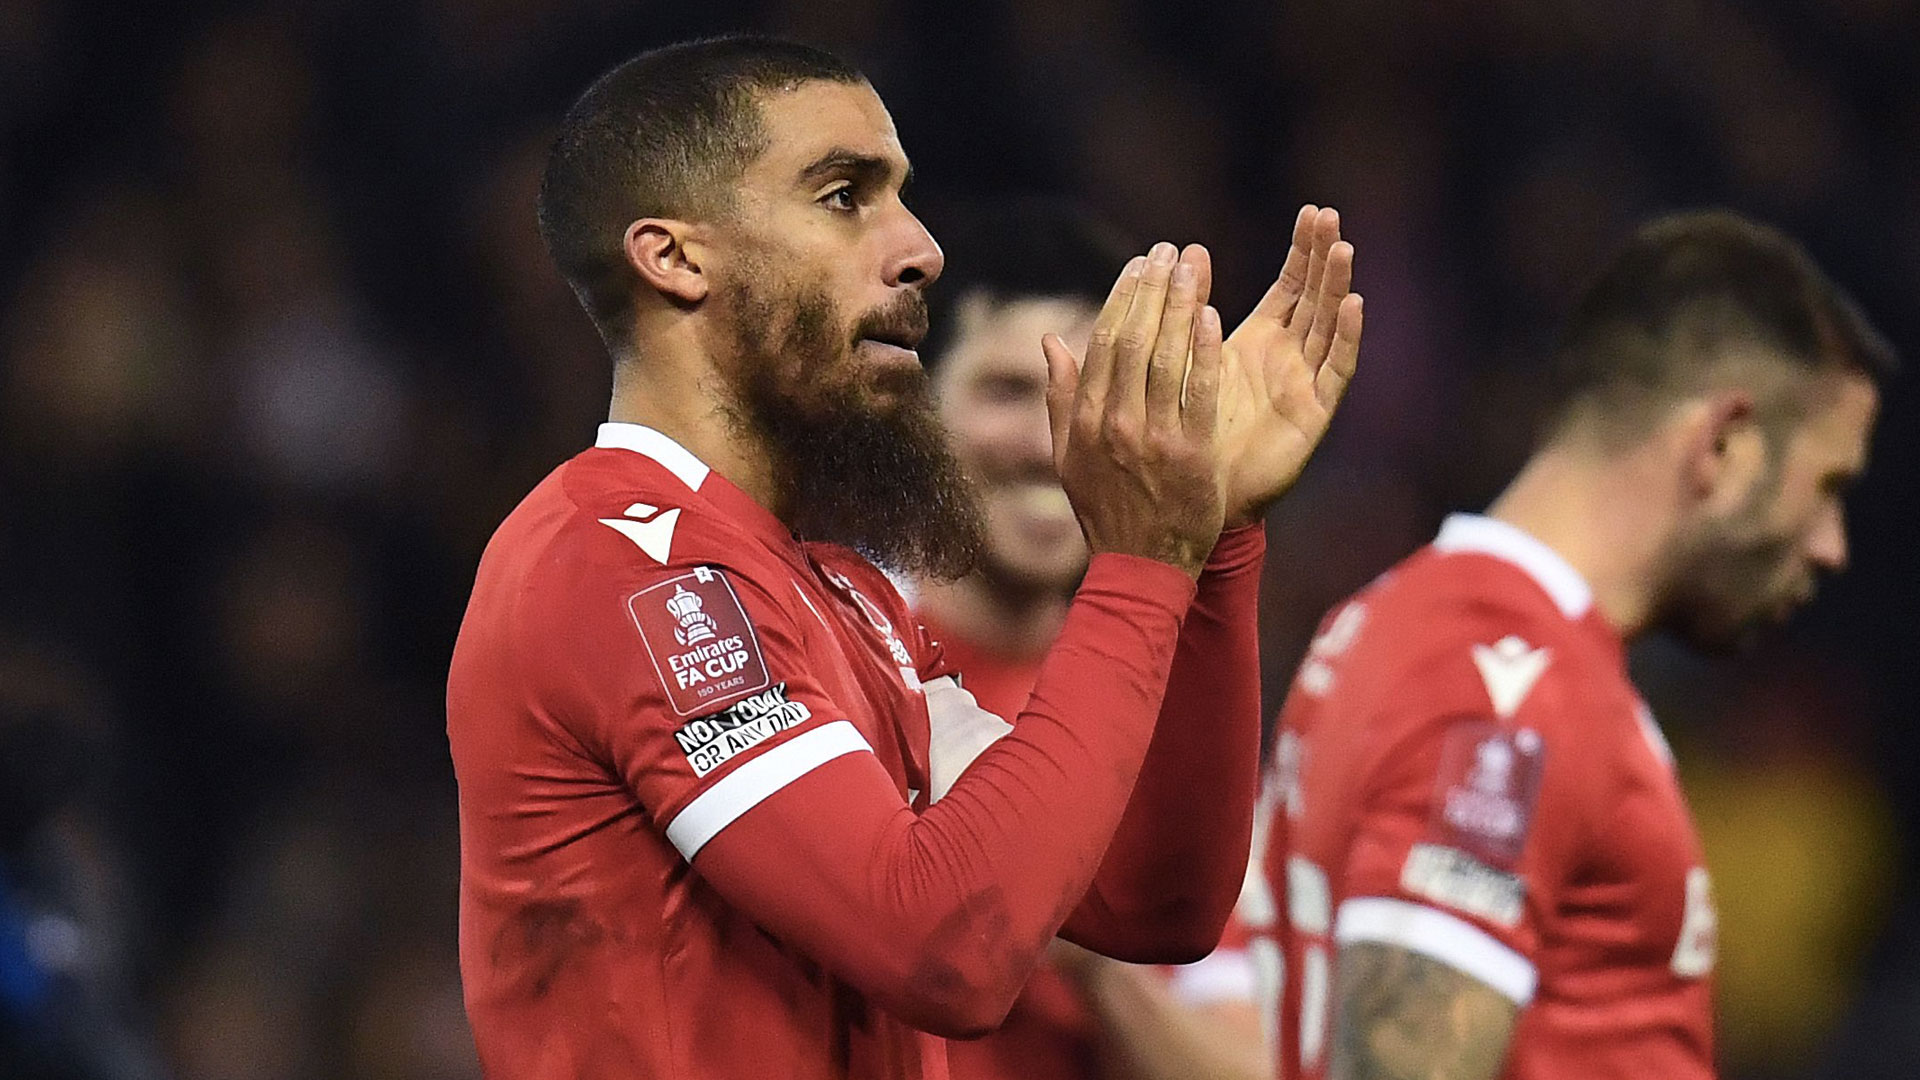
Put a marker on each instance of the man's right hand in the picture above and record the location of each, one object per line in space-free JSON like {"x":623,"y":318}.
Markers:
{"x":1134,"y":424}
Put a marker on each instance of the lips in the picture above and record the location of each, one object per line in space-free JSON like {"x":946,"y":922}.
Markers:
{"x":902,"y":324}
{"x":887,"y":354}
{"x":1041,"y":501}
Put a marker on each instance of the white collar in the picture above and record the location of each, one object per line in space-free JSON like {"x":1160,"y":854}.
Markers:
{"x":1491,"y":536}
{"x":647,"y":442}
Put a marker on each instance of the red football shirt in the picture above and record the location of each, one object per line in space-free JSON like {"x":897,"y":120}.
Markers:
{"x":1464,"y":770}
{"x":698,"y":764}
{"x":1050,"y":1034}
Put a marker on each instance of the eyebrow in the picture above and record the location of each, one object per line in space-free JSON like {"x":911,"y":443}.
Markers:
{"x":854,"y":165}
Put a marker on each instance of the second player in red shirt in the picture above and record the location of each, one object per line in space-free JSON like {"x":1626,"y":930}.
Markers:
{"x":1481,"y":861}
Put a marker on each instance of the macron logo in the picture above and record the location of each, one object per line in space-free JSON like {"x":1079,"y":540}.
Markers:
{"x":653,"y":535}
{"x":1509,"y":667}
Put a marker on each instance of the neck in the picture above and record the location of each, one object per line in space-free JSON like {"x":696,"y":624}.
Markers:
{"x":1606,"y":516}
{"x":1021,"y":623}
{"x":686,"y":404}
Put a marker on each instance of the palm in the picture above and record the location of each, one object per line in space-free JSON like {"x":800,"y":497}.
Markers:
{"x":1285,"y":369}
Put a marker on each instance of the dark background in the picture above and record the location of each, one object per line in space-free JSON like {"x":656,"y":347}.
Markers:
{"x":279,"y":346}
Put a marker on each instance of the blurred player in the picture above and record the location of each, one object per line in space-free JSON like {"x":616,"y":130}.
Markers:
{"x":1015,"y":273}
{"x":1484,"y":863}
{"x":713,"y":822}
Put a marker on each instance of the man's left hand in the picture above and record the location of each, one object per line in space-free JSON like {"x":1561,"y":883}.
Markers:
{"x":1285,"y":369}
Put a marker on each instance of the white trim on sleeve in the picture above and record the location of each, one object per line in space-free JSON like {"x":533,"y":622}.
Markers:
{"x":1223,"y":975}
{"x":743,"y":789}
{"x":1431,"y":932}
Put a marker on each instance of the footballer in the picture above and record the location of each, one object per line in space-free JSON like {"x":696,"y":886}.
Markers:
{"x":725,"y":809}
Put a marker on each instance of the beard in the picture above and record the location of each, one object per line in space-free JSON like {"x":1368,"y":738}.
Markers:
{"x":860,"y":456}
{"x":1728,"y":594}
{"x":1733,"y":580}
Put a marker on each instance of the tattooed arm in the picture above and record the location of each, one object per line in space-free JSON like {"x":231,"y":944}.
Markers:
{"x":1405,"y":1015}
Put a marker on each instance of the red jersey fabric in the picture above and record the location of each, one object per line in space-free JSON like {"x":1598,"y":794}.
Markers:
{"x":1464,"y":770}
{"x":1050,"y":1034}
{"x":1000,"y":683}
{"x":711,"y":812}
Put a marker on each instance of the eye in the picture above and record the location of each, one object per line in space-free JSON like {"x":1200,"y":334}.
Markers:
{"x":1009,"y":389}
{"x":840,"y":198}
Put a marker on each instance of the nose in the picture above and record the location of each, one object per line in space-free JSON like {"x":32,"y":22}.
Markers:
{"x":915,"y":259}
{"x":1036,"y":435}
{"x":1827,"y":548}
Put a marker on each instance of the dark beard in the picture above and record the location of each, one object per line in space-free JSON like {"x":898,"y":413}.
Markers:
{"x":1719,"y":602}
{"x":869,"y":468}
{"x":1722,"y":598}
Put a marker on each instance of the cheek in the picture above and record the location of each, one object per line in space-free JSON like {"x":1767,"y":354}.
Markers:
{"x":1795,"y":520}
{"x":966,"y":434}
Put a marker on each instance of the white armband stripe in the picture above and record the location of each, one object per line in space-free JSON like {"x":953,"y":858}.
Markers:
{"x":743,"y":789}
{"x":1431,"y":932}
{"x":959,"y":731}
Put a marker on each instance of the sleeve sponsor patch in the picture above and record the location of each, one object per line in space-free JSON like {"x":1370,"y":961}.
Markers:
{"x":711,"y":741}
{"x":1458,"y":880}
{"x":699,"y":639}
{"x":1484,"y":798}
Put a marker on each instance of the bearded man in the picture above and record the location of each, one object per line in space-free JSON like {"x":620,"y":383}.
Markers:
{"x":726,"y":811}
{"x":1481,"y":863}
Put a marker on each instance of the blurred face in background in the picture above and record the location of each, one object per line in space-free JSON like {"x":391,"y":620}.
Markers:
{"x":992,"y":385}
{"x":1753,"y":568}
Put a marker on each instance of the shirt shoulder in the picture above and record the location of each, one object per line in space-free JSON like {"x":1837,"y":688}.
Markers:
{"x":1445,"y":633}
{"x":1449,"y":668}
{"x":602,"y":528}
{"x":627,"y":510}
{"x":625,"y":552}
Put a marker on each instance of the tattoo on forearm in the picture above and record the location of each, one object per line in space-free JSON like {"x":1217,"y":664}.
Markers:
{"x":1404,"y":1016}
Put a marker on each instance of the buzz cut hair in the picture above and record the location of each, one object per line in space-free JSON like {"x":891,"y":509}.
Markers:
{"x":1691,"y":294}
{"x":1030,"y":247}
{"x":667,"y":133}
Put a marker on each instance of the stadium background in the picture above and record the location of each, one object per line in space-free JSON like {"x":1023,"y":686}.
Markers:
{"x":279,"y":346}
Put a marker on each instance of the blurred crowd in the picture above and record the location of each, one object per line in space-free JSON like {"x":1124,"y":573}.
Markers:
{"x":279,"y":346}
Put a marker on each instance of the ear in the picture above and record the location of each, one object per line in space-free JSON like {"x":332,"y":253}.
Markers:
{"x":1725,"y":451}
{"x":661,"y":251}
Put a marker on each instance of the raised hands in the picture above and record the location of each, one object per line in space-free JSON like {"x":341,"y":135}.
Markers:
{"x":1136,"y":425}
{"x":1285,"y":369}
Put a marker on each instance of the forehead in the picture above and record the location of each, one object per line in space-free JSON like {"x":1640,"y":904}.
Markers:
{"x":817,"y":118}
{"x":1005,"y":334}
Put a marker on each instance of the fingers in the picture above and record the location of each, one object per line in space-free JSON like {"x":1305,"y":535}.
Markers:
{"x":1063,"y":382}
{"x":1167,"y":367}
{"x":1336,"y":281}
{"x":1203,"y":272}
{"x":1286,"y":290}
{"x":1097,"y":371}
{"x":1133,"y":344}
{"x":1326,"y":232}
{"x":1330,"y":383}
{"x":1201,"y":413}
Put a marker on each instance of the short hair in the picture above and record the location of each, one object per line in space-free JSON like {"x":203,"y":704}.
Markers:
{"x":1031,"y":247}
{"x":1688,"y":292}
{"x":665,"y":134}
